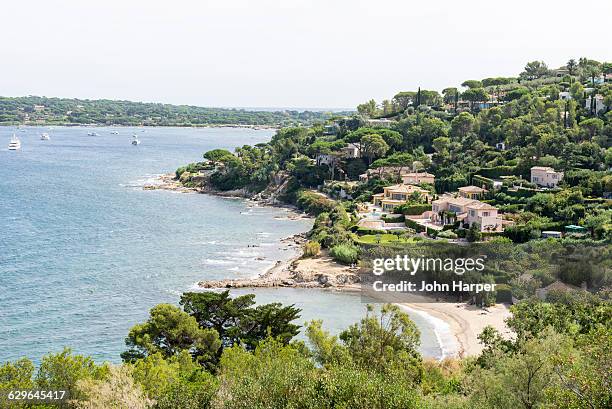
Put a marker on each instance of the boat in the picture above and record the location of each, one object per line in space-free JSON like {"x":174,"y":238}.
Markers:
{"x":92,"y":134}
{"x":135,"y":140}
{"x":15,"y":143}
{"x":114,"y":133}
{"x":44,"y":136}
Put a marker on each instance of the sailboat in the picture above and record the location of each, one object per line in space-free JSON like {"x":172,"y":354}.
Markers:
{"x":44,"y":136}
{"x":15,"y":143}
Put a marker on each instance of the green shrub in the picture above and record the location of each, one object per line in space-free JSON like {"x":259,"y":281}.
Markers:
{"x":345,"y":253}
{"x":313,"y":203}
{"x":312,"y":248}
{"x":447,"y":234}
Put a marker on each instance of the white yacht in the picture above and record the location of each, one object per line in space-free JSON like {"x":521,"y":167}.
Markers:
{"x":92,"y":134}
{"x":15,"y":143}
{"x":135,"y":140}
{"x":44,"y":136}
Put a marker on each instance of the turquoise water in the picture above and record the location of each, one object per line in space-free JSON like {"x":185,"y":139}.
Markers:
{"x":85,"y":252}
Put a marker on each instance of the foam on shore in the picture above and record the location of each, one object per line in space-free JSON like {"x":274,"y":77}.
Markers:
{"x":449,"y":347}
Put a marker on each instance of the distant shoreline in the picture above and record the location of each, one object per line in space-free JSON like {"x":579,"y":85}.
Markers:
{"x":94,"y":125}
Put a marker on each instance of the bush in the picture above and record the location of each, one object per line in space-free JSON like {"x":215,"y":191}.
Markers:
{"x":345,"y":253}
{"x":313,"y":203}
{"x":312,"y":248}
{"x":447,"y":234}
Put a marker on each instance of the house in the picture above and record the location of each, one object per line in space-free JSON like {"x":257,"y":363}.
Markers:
{"x":472,"y":192}
{"x":389,"y":172}
{"x":380,"y":123}
{"x":351,"y":151}
{"x":500,"y":146}
{"x":551,"y":234}
{"x":545,"y":176}
{"x":417,"y":178}
{"x":599,"y":103}
{"x":397,"y":195}
{"x":565,"y":95}
{"x":557,"y":286}
{"x":485,"y":215}
{"x":576,"y":230}
{"x":331,"y":129}
{"x":468,"y":211}
{"x":326,"y":159}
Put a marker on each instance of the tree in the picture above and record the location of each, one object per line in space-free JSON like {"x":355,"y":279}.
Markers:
{"x":535,"y":70}
{"x":373,"y":146}
{"x":471,"y":84}
{"x":404,"y":99}
{"x":475,"y":95}
{"x":519,"y":380}
{"x":591,"y":127}
{"x":236,"y":320}
{"x":473,"y":233}
{"x":170,"y":331}
{"x":449,"y":95}
{"x":218,"y":155}
{"x":117,"y":391}
{"x":368,"y":109}
{"x":462,"y":125}
{"x":63,"y":370}
{"x":572,"y":65}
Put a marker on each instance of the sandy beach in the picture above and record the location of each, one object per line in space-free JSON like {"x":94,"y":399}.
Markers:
{"x":466,"y":321}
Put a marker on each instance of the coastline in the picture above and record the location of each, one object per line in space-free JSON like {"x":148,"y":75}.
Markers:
{"x":94,"y":125}
{"x":465,"y":322}
{"x":314,"y":272}
{"x":456,"y":325}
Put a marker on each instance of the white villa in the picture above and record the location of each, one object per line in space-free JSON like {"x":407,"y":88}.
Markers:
{"x":545,"y":176}
{"x":472,"y":192}
{"x":397,"y":195}
{"x":352,"y":150}
{"x":467,"y":210}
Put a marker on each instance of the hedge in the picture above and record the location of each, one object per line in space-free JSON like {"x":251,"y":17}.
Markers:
{"x":393,"y":219}
{"x":415,"y":209}
{"x":478,"y":180}
{"x":362,"y":231}
{"x":497,"y":171}
{"x":414,"y":225}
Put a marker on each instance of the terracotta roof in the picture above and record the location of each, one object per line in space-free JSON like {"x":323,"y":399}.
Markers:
{"x":481,"y":206}
{"x":474,"y":189}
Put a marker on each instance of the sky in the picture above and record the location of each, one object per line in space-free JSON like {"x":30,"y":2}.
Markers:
{"x":284,"y":53}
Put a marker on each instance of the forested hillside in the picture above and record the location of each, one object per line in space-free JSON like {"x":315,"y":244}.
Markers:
{"x":34,"y":110}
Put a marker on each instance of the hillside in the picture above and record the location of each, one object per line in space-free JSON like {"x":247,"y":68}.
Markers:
{"x":33,"y":110}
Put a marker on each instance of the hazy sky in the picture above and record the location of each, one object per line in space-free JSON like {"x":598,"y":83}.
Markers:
{"x":284,"y":53}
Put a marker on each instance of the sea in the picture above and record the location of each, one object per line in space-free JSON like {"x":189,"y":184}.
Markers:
{"x":85,"y":251}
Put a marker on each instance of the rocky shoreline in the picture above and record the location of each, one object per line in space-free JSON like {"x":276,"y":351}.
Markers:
{"x":317,"y":272}
{"x":297,"y":272}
